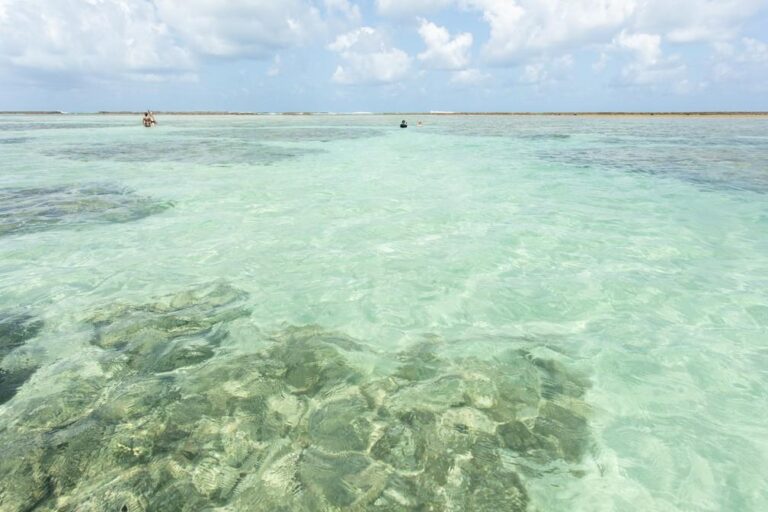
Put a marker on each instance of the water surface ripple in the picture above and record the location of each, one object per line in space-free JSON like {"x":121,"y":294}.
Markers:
{"x":330,"y":313}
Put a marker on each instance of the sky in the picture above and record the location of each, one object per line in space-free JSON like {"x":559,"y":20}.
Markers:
{"x":384,"y":55}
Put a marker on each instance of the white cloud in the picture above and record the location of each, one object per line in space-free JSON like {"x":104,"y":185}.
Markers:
{"x":89,"y":38}
{"x":688,"y":21}
{"x":402,"y":8}
{"x":155,"y":38}
{"x":754,"y":51}
{"x":161,"y":39}
{"x":274,"y":69}
{"x":522,"y":27}
{"x":599,"y":64}
{"x":647,"y":47}
{"x":650,"y":67}
{"x":242,"y":28}
{"x":724,"y":56}
{"x":367,"y":58}
{"x":469,"y":76}
{"x":533,"y":73}
{"x":443,"y":52}
{"x":737,"y":60}
{"x":350,"y":11}
{"x":546,"y":70}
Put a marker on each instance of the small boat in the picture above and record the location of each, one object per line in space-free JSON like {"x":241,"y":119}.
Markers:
{"x":403,"y":124}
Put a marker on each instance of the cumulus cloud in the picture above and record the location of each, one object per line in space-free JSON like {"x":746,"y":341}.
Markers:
{"x":647,"y":47}
{"x":274,"y":69}
{"x":349,"y":10}
{"x":89,"y":38}
{"x":689,"y":21}
{"x":443,"y":52}
{"x":401,"y":8}
{"x":368,"y":58}
{"x":546,"y":70}
{"x":736,"y":60}
{"x":524,"y":27}
{"x":533,"y":73}
{"x":162,"y":39}
{"x":600,"y":63}
{"x":649,"y":65}
{"x":156,"y":38}
{"x":754,"y":51}
{"x":471,"y":76}
{"x":242,"y":28}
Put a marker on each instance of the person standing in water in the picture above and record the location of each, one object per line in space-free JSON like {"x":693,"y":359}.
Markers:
{"x":149,"y":119}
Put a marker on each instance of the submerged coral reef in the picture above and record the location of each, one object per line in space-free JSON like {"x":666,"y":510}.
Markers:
{"x":290,"y":134}
{"x":178,"y":422}
{"x":15,"y":330}
{"x":24,"y":210}
{"x":208,"y":150}
{"x":14,"y":140}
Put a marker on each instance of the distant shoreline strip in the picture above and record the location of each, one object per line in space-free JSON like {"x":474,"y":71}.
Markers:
{"x":433,"y":113}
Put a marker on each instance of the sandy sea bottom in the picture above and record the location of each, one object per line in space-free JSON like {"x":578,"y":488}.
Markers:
{"x":331,"y":313}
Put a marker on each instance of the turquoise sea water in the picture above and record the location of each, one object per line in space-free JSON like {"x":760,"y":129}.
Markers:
{"x":331,"y":313}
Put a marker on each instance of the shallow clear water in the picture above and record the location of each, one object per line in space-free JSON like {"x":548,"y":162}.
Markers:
{"x":328,"y":312}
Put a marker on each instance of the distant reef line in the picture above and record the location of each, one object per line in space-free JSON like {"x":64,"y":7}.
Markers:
{"x":432,"y":113}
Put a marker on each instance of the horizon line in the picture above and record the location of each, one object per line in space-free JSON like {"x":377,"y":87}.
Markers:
{"x":425,"y":113}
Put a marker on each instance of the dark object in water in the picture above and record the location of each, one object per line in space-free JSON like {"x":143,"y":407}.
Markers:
{"x":149,"y":119}
{"x":403,"y":124}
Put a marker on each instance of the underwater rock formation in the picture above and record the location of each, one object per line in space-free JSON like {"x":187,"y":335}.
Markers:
{"x":176,"y":331}
{"x":12,"y":379}
{"x":289,"y":134}
{"x":300,"y":425}
{"x":14,"y":140}
{"x":26,"y":210}
{"x":699,"y":163}
{"x":213,"y":150}
{"x":15,"y":330}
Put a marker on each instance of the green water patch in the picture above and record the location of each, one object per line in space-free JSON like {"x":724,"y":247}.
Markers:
{"x":533,"y":132}
{"x":289,"y":134}
{"x":14,"y":140}
{"x":27,"y":210}
{"x":15,"y":330}
{"x":725,"y":165}
{"x":176,"y":331}
{"x":176,"y":421}
{"x":543,"y":136}
{"x":215,"y":150}
{"x":37,"y":125}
